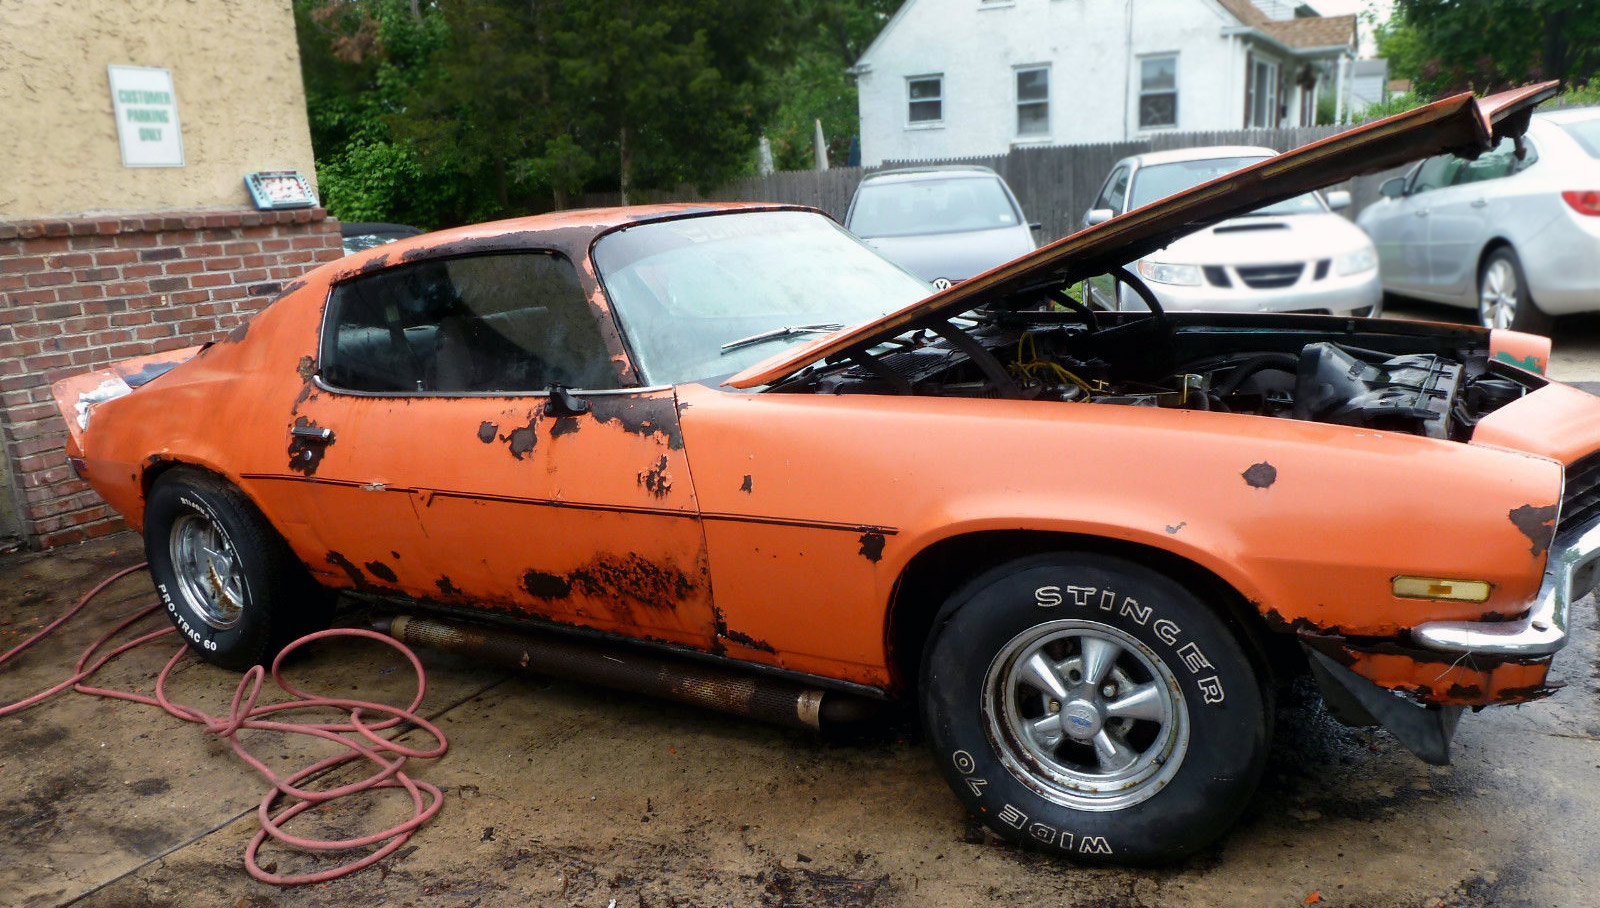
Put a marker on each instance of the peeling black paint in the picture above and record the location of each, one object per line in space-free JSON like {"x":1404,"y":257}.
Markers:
{"x":371,"y":265}
{"x":747,"y":486}
{"x":1538,"y":524}
{"x":290,"y":287}
{"x":446,"y":588}
{"x":522,"y":439}
{"x":644,"y":416}
{"x":871,"y":546}
{"x":546,"y":586}
{"x":487,"y":431}
{"x":1261,"y":475}
{"x":1276,"y":622}
{"x":306,"y":455}
{"x":349,"y":568}
{"x":1465,"y":691}
{"x":719,"y":626}
{"x":656,"y":480}
{"x":381,"y":571}
{"x":237,"y":334}
{"x":611,"y":578}
{"x":564,"y":425}
{"x":393,"y":554}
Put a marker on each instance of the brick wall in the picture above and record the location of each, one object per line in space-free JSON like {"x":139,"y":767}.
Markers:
{"x":82,"y":292}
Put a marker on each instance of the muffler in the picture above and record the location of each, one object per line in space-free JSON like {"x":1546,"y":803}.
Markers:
{"x":776,"y":700}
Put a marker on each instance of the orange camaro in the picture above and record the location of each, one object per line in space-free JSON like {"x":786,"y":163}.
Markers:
{"x":1084,"y":542}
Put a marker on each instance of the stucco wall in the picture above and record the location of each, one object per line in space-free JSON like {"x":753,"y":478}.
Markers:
{"x":1093,"y":48}
{"x":235,"y":72}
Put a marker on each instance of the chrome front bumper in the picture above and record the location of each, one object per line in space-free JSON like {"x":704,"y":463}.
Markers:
{"x":1570,"y":573}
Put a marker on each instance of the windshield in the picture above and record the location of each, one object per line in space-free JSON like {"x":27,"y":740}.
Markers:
{"x":937,"y":205}
{"x":1157,"y":181}
{"x":683,"y":289}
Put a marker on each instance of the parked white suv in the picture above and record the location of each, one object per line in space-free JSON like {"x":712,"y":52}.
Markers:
{"x":1519,"y":239}
{"x":1295,"y":256}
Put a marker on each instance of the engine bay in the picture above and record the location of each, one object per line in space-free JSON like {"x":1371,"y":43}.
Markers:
{"x":1436,"y":382}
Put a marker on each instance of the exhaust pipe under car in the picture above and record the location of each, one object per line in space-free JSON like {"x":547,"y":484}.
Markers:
{"x":777,"y":700}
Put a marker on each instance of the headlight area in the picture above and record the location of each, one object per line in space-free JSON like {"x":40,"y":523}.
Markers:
{"x":1356,"y":261}
{"x":1167,"y":273}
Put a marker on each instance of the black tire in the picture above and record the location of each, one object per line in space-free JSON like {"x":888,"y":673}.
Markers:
{"x":1504,"y":300}
{"x":252,"y":597}
{"x":1190,"y":774}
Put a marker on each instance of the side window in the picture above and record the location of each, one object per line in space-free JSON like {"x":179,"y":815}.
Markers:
{"x":925,"y":99}
{"x":508,"y":323}
{"x":1436,"y":173}
{"x":1492,"y":165}
{"x":1114,"y":192}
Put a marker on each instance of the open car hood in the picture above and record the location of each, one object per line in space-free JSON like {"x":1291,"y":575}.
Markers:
{"x":1460,"y":124}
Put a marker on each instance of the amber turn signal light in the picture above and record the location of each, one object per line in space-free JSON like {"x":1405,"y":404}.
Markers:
{"x":1436,"y":588}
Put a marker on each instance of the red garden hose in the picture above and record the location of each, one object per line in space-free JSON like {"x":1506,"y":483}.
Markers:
{"x":388,"y":757}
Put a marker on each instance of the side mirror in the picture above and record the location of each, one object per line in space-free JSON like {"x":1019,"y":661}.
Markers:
{"x":1097,"y":216}
{"x":1393,"y":188}
{"x":1338,"y":199}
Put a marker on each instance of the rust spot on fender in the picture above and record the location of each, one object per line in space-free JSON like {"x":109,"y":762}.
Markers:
{"x":656,"y":480}
{"x":381,"y":571}
{"x":871,"y":546}
{"x":746,"y":486}
{"x":306,"y":368}
{"x":546,"y":586}
{"x":719,"y":626}
{"x":1536,"y":523}
{"x":1261,"y":475}
{"x":305,"y":456}
{"x":487,"y":431}
{"x":349,"y":568}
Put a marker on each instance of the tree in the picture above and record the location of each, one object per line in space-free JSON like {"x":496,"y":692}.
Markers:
{"x":1445,"y":46}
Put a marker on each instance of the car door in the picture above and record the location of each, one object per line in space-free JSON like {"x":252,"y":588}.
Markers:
{"x":1462,"y":218}
{"x":476,"y":415}
{"x":1403,"y":257}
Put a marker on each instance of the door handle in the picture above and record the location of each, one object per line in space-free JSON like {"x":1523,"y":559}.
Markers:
{"x":312,"y":434}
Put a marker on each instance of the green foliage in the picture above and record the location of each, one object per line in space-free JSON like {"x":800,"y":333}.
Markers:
{"x":1585,"y":95}
{"x":827,"y":37}
{"x":1395,"y":104}
{"x":1445,"y":46}
{"x":435,"y":112}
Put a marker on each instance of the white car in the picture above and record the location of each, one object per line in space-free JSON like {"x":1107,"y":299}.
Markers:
{"x":942,"y":223}
{"x":1517,"y":238}
{"x":1295,"y":256}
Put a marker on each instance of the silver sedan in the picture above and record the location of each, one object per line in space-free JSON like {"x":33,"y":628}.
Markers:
{"x":1516,"y":237}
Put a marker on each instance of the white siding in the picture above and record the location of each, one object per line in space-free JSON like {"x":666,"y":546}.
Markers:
{"x":1093,"y":48}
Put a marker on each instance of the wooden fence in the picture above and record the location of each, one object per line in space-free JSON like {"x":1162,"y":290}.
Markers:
{"x":1055,"y":184}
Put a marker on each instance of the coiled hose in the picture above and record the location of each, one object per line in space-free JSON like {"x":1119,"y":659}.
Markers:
{"x":388,"y":757}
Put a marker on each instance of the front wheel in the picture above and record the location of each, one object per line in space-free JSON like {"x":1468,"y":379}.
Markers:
{"x":229,"y":583}
{"x":1089,"y":706}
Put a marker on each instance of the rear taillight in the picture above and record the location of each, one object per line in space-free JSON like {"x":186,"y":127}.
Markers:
{"x":1584,"y":201}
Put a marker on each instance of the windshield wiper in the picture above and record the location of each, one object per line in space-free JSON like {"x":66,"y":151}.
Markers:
{"x":785,"y":331}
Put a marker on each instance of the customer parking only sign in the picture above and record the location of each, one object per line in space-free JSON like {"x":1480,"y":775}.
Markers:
{"x":147,"y":116}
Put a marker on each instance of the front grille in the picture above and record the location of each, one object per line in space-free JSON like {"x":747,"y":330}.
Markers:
{"x":1322,"y":269}
{"x":1580,"y":501}
{"x":1271,"y":277}
{"x":1217,"y":276}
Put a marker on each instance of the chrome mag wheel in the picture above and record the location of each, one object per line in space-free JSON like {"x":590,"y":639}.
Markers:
{"x":207,"y":569}
{"x":1086,"y":715}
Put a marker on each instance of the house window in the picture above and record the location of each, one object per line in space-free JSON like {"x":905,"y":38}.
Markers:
{"x":1033,"y":101}
{"x":926,"y":99}
{"x":1261,"y":93}
{"x":1158,"y":92}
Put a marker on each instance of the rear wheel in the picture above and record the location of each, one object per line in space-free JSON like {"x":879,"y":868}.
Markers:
{"x":1503,"y":298}
{"x":228,"y":581}
{"x":1089,"y":706}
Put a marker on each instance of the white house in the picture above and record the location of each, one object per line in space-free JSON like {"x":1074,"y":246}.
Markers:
{"x":960,"y":78}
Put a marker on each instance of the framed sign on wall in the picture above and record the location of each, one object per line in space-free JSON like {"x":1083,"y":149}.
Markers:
{"x":147,"y":116}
